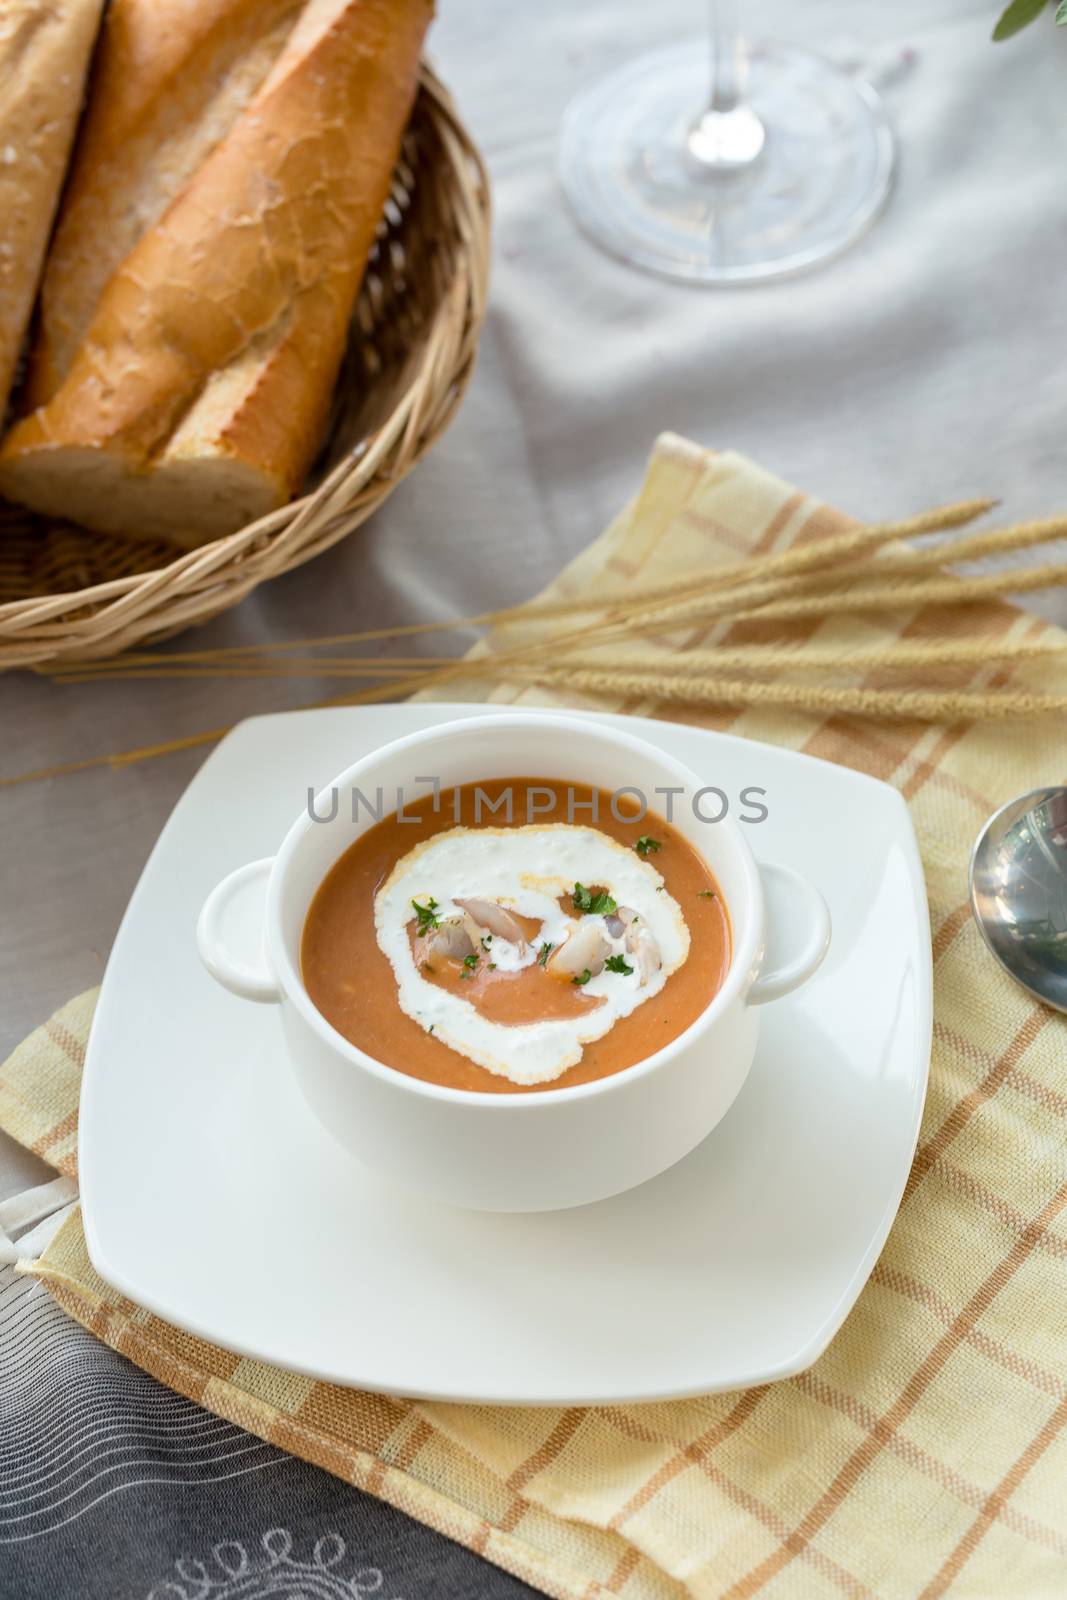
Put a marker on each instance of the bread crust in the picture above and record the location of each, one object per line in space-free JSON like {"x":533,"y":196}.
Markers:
{"x":219,"y":336}
{"x":45,"y":46}
{"x":170,"y":78}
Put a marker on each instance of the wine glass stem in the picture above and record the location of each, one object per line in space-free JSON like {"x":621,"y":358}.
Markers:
{"x":728,"y":136}
{"x":727,"y":56}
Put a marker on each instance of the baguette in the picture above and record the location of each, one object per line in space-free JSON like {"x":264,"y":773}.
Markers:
{"x":198,"y":394}
{"x":171,"y":78}
{"x":45,"y":46}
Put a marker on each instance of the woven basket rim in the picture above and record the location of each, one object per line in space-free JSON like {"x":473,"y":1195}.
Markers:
{"x":105,"y":618}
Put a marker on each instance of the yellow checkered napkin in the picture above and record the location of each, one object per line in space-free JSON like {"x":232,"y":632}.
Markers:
{"x":926,"y":1453}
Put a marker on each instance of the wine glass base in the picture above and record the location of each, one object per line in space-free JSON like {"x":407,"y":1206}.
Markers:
{"x":819,"y":181}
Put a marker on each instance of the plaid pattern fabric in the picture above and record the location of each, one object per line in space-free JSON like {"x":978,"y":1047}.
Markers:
{"x":925,"y":1454}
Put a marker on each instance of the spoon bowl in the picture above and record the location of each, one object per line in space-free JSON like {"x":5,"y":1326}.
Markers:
{"x":1018,"y":878}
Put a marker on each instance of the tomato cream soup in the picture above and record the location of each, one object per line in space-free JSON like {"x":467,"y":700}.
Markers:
{"x":514,"y":952}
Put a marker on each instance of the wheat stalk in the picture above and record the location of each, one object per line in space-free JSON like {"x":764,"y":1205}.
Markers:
{"x":790,"y":658}
{"x":812,"y":581}
{"x":919,"y":704}
{"x":808,"y":559}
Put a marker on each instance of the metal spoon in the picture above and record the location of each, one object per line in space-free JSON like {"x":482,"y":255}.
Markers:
{"x":1019,"y":891}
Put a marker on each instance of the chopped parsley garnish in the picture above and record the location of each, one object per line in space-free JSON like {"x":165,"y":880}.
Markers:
{"x":492,"y":966}
{"x":706,"y":894}
{"x":487,"y":941}
{"x":545,"y":952}
{"x":431,"y":1027}
{"x":427,"y":914}
{"x":599,"y":904}
{"x":582,"y":978}
{"x":647,"y":844}
{"x":618,"y":964}
{"x":470,"y":961}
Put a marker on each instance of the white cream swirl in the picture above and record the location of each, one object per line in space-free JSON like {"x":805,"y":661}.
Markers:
{"x":529,"y":870}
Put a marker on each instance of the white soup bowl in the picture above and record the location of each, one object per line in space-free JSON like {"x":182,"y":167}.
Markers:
{"x":554,"y":1147}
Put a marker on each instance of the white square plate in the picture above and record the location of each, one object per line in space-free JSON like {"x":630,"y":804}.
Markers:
{"x":213,"y":1197}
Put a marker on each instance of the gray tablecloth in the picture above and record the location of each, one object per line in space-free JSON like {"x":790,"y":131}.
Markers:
{"x":925,"y":365}
{"x":112,"y":1488}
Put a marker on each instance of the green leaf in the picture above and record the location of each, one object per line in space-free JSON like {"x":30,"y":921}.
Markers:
{"x":598,"y":904}
{"x":646,"y":841}
{"x":427,"y":915}
{"x":1061,"y":14}
{"x":583,"y":978}
{"x":618,"y":964}
{"x":546,"y":951}
{"x":1017,"y":16}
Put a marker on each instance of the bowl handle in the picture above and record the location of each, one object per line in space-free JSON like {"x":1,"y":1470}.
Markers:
{"x":229,"y":933}
{"x":798,"y":933}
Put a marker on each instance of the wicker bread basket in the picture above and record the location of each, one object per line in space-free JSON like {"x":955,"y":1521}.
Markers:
{"x":66,"y":593}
